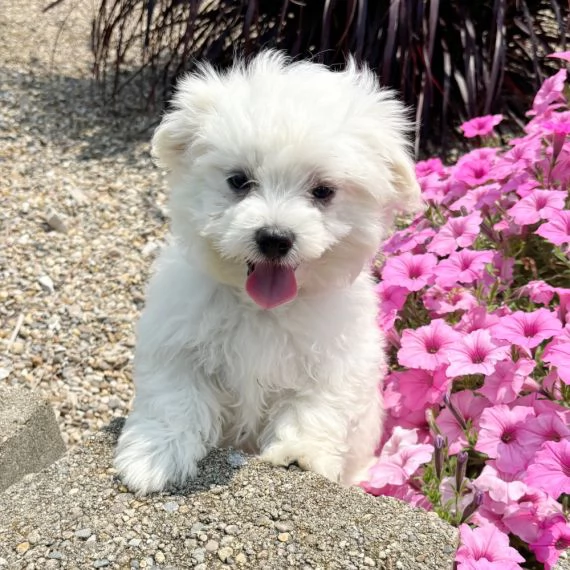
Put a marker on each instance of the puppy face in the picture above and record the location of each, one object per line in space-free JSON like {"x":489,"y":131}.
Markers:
{"x":284,"y":176}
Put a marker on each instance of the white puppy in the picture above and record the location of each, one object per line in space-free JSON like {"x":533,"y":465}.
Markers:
{"x":260,"y":325}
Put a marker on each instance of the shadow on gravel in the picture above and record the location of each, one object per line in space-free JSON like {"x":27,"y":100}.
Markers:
{"x":71,"y":113}
{"x":216,"y":470}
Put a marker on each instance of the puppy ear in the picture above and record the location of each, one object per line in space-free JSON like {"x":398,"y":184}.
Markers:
{"x":408,"y":193}
{"x":193,"y":100}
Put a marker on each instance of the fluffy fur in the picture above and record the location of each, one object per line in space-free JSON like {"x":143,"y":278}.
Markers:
{"x":299,"y":382}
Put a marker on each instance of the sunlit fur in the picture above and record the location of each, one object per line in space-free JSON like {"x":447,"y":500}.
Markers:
{"x":299,"y":382}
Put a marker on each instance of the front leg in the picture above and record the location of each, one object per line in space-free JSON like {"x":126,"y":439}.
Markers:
{"x":175,"y":422}
{"x":331,"y":432}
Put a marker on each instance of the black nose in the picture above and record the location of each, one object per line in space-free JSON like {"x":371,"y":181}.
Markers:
{"x":274,"y":242}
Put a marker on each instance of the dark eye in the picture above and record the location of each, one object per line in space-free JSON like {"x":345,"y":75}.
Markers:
{"x":239,"y":182}
{"x":323,"y":193}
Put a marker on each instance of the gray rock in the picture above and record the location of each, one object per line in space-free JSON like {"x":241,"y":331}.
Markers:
{"x":55,"y":221}
{"x":29,"y":435}
{"x":326,"y":526}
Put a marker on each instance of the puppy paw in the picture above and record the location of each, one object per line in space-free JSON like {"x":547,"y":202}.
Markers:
{"x":306,"y":456}
{"x":151,"y":464}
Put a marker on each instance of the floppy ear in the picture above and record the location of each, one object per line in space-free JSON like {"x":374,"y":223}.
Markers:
{"x":193,"y":100}
{"x":408,"y":193}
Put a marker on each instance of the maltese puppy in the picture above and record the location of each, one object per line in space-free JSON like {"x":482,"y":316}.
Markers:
{"x":260,"y":328}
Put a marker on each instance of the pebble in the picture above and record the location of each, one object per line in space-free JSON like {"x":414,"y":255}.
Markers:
{"x":159,"y":557}
{"x":199,"y":554}
{"x":283,"y":537}
{"x":232,"y":529}
{"x":282,"y":526}
{"x":101,"y":563}
{"x":55,"y":221}
{"x":241,"y":558}
{"x":46,"y":282}
{"x":22,"y":547}
{"x":83,"y":533}
{"x":55,"y":554}
{"x":225,"y":553}
{"x":212,"y":546}
{"x":236,"y":459}
{"x":368,"y":561}
{"x":135,"y":542}
{"x":170,"y":507}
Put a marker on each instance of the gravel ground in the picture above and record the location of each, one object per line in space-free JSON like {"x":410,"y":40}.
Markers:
{"x":81,"y":216}
{"x":238,"y":513}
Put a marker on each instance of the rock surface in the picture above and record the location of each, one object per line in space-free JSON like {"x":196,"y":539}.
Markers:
{"x":238,"y":513}
{"x":29,"y":435}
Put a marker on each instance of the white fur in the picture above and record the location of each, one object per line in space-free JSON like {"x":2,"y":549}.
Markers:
{"x":299,"y":382}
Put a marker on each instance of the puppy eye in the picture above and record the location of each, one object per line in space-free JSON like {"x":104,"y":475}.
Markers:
{"x":239,"y":182}
{"x":323,"y":193}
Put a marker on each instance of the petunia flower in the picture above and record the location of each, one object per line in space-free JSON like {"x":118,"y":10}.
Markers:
{"x":412,"y":272}
{"x":421,"y":387}
{"x":557,"y":353}
{"x":441,"y":301}
{"x":545,"y":427}
{"x":465,"y":266}
{"x":392,"y":299}
{"x":538,"y":292}
{"x":557,"y":229}
{"x":538,"y":205}
{"x":475,"y":353}
{"x":456,"y":232}
{"x":480,"y":126}
{"x":426,"y":347}
{"x":488,"y":545}
{"x":527,"y":329}
{"x":501,"y":437}
{"x":550,"y":94}
{"x":500,"y":487}
{"x":470,"y":407}
{"x":551,"y":543}
{"x":550,"y":470}
{"x":504,"y":385}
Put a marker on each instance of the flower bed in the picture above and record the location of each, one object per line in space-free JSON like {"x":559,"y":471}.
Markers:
{"x":475,"y":303}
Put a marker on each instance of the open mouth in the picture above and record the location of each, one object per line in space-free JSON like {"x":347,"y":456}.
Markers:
{"x":270,"y":284}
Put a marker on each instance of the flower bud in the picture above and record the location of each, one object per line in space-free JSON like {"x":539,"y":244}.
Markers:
{"x":455,"y":412}
{"x":460,"y":469}
{"x":472,"y":506}
{"x":439,"y":444}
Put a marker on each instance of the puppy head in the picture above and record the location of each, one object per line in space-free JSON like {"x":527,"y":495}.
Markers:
{"x":285,"y":176}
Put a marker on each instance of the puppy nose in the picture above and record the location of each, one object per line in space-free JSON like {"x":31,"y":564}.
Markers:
{"x":274,"y":243}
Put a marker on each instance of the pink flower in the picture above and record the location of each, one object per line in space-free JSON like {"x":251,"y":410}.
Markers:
{"x":488,"y":545}
{"x":475,"y":353}
{"x":457,"y":232}
{"x":412,"y":272}
{"x":420,"y":387}
{"x":557,"y":230}
{"x":551,"y":543}
{"x":426,"y":347}
{"x":478,"y":198}
{"x":550,"y":469}
{"x":392,"y":299}
{"x":539,"y":292}
{"x":475,"y":319}
{"x":463,"y":266}
{"x":425,"y":167}
{"x":470,"y":407}
{"x":400,"y":458}
{"x":557,"y":353}
{"x":504,"y":385}
{"x":480,"y":126}
{"x":538,"y":205}
{"x":474,"y":172}
{"x":550,"y":94}
{"x":565,"y":55}
{"x":500,"y":436}
{"x":500,"y":488}
{"x":442,"y":301}
{"x":543,"y":428}
{"x":527,"y":329}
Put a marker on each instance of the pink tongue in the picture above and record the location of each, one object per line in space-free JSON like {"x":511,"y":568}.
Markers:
{"x":271,"y":285}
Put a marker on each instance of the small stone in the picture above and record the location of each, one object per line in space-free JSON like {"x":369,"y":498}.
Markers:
{"x":368,"y":561}
{"x":22,"y":547}
{"x":225,"y":553}
{"x":4,"y":373}
{"x":46,"y":282}
{"x":17,"y":348}
{"x":150,"y":248}
{"x":236,"y":459}
{"x":199,"y":554}
{"x":55,"y":554}
{"x":170,"y":507}
{"x":159,"y":557}
{"x":34,"y":537}
{"x":282,"y":526}
{"x":3,"y":562}
{"x":83,"y":533}
{"x":55,"y":221}
{"x":283,"y":537}
{"x":212,"y":546}
{"x":241,"y":558}
{"x":135,"y":542}
{"x":232,"y":529}
{"x":201,"y":567}
{"x":226,"y":540}
{"x":100,"y":563}
{"x":399,"y":565}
